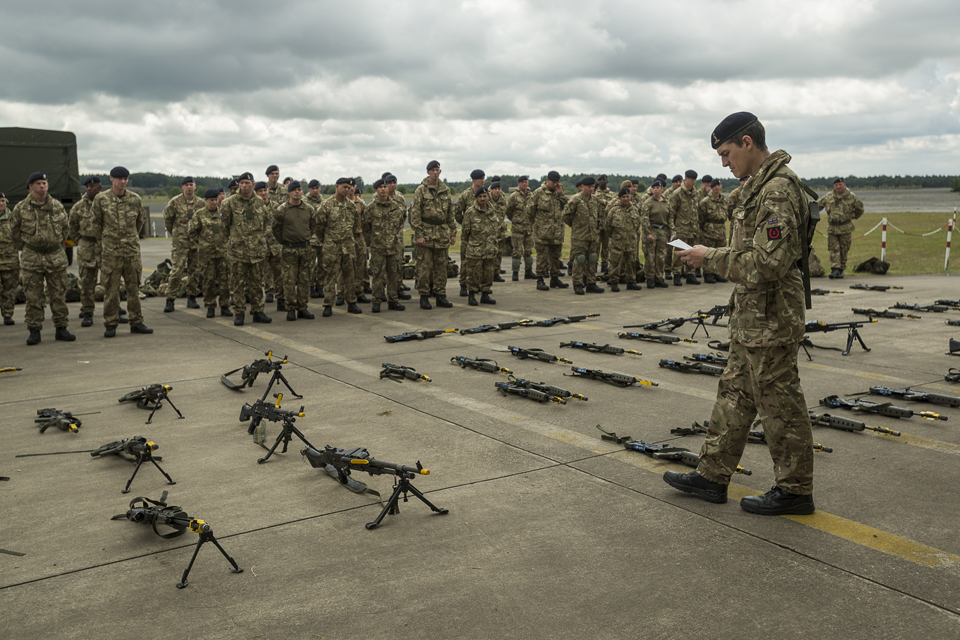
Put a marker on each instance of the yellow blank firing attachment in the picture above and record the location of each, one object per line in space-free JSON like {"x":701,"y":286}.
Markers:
{"x":199,"y":526}
{"x":152,"y":446}
{"x":72,"y":427}
{"x":425,"y":378}
{"x":167,"y":387}
{"x":424,"y":472}
{"x":564,"y":361}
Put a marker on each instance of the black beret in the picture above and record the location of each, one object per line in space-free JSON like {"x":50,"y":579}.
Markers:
{"x":677,"y":178}
{"x":744,"y":179}
{"x":272,"y":168}
{"x":690,"y":173}
{"x":211,"y":194}
{"x":235,"y":183}
{"x":379,"y":183}
{"x":707,"y":178}
{"x":186,"y":180}
{"x":495,"y":185}
{"x":313,"y":183}
{"x":345,"y":181}
{"x":578,"y":183}
{"x":731,"y":126}
{"x":287,"y":178}
{"x":495,"y":179}
{"x":357,"y":190}
{"x":433,"y":164}
{"x":89,"y":179}
{"x":715,"y":182}
{"x":245,"y":176}
{"x":119,"y":172}
{"x":385,"y":174}
{"x":523,"y":179}
{"x":36,"y":175}
{"x":219,"y":189}
{"x":260,"y":185}
{"x":623,"y":192}
{"x":2,"y":197}
{"x":477,"y":174}
{"x":480,"y":191}
{"x":295,"y":184}
{"x":636,"y":182}
{"x":589,"y":181}
{"x":602,"y":176}
{"x":389,"y":178}
{"x":839,"y":180}
{"x":662,"y":176}
{"x":658,"y":183}
{"x":553,"y":176}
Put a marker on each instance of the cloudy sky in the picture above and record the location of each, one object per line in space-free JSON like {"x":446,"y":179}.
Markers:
{"x":325,"y":89}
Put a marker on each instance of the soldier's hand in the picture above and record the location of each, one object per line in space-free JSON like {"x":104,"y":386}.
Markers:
{"x":421,"y":241}
{"x":453,"y":240}
{"x":649,"y":237}
{"x":693,"y":256}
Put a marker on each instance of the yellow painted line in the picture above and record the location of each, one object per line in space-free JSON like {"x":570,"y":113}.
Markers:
{"x":853,"y":372}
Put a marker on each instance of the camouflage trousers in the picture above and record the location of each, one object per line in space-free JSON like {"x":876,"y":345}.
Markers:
{"x":8,"y":290}
{"x":522,"y":240}
{"x":338,"y":267}
{"x":246,"y":279}
{"x":216,"y":273}
{"x":113,"y":269}
{"x":548,"y":260}
{"x":623,"y":262}
{"x":839,"y":247}
{"x":765,"y":382}
{"x":432,"y":271}
{"x":56,"y":290}
{"x":88,"y":259}
{"x":297,"y":275}
{"x":584,"y":256}
{"x":359,"y":264}
{"x":605,"y":249}
{"x":680,"y":267}
{"x":318,"y":273}
{"x":480,"y":272}
{"x":272,"y":274}
{"x":385,"y":268}
{"x":655,"y":253}
{"x":186,"y":263}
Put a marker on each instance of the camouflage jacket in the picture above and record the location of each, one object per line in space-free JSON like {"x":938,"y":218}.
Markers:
{"x":713,"y":218}
{"x":733,"y":200}
{"x":81,"y":232}
{"x":276,"y":196}
{"x":9,"y":255}
{"x":315,"y":203}
{"x":478,"y":239}
{"x":655,"y":212}
{"x":583,"y":217}
{"x":604,"y":198}
{"x":623,"y":227}
{"x":767,"y":305}
{"x":500,"y":207}
{"x":402,"y":203}
{"x":431,"y":215}
{"x":117,"y":221}
{"x":294,"y":223}
{"x":243,"y":226}
{"x":684,"y":219}
{"x":545,"y":210}
{"x":337,"y":222}
{"x":381,"y":222}
{"x":464,"y":201}
{"x":204,"y":230}
{"x":841,"y":211}
{"x":516,"y":211}
{"x":176,"y":218}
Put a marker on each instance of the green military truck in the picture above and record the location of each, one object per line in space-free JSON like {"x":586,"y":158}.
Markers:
{"x":23,"y":151}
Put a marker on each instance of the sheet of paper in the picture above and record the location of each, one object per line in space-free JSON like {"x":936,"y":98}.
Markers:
{"x":679,"y":244}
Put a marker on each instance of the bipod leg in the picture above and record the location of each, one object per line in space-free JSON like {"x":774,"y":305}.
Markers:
{"x":283,"y":435}
{"x":156,"y":405}
{"x":283,"y":379}
{"x":167,"y":398}
{"x":204,"y":537}
{"x":403,"y":486}
{"x":851,"y":334}
{"x":700,"y":324}
{"x":126,"y":489}
{"x":802,"y":345}
{"x":169,"y":479}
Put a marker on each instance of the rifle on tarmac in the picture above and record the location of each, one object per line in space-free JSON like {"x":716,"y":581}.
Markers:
{"x":884,"y":409}
{"x":845,"y":424}
{"x":948,"y":303}
{"x":760,"y":437}
{"x":676,"y":454}
{"x":340,"y":462}
{"x":823,"y":292}
{"x":158,"y":512}
{"x":262,"y":410}
{"x":251,"y":371}
{"x":480,"y":364}
{"x":874,"y":287}
{"x":566,"y":320}
{"x":815,"y":326}
{"x":651,"y":337}
{"x":597,"y":348}
{"x":140,"y":448}
{"x":712,"y":358}
{"x":10,"y":369}
{"x":536,"y":354}
{"x":398,"y":372}
{"x":953,"y":375}
{"x":692,"y":367}
{"x":932,"y":308}
{"x":917,"y":396}
{"x":527,"y":392}
{"x":63,"y":420}
{"x":953,"y":323}
{"x":497,"y":327}
{"x":873,"y":313}
{"x":670,"y":324}
{"x":616,"y":379}
{"x":151,"y":398}
{"x":418,"y":335}
{"x":548,"y":389}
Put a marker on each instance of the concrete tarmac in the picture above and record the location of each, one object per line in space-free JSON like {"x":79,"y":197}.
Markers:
{"x":551,"y":531}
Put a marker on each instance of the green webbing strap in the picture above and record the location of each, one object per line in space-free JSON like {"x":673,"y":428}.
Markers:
{"x":610,"y":436}
{"x":354,"y":485}
{"x":12,"y":553}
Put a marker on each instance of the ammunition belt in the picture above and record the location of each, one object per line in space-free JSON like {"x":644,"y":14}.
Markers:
{"x":37,"y":249}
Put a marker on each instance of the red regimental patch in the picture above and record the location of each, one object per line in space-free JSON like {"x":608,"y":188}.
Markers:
{"x":773,"y":233}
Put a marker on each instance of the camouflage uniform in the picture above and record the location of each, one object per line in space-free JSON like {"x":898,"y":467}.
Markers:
{"x":40,"y":231}
{"x":841,"y":212}
{"x":733,"y":201}
{"x":176,"y":219}
{"x":766,"y":323}
{"x":317,"y":245}
{"x":521,"y":229}
{"x":204,"y":231}
{"x":88,"y":251}
{"x":500,"y":207}
{"x":432,"y":218}
{"x":293,"y":226}
{"x":381,"y":222}
{"x":9,"y":267}
{"x":713,"y":219}
{"x":583,"y":218}
{"x":402,"y":202}
{"x":480,"y":248}
{"x":604,"y":198}
{"x":623,"y":229}
{"x":117,"y":221}
{"x":545,"y":210}
{"x":464,"y":201}
{"x":655,"y":221}
{"x":684,"y":223}
{"x":360,"y":260}
{"x":272,"y":264}
{"x":336,"y":226}
{"x":243,"y":229}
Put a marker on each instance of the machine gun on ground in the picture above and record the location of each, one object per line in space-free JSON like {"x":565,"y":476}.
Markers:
{"x":262,"y":410}
{"x":874,"y":287}
{"x":140,"y":448}
{"x":699,"y":317}
{"x":598,"y":348}
{"x":616,"y":379}
{"x":536,"y":354}
{"x":917,"y":396}
{"x":151,"y":398}
{"x":953,"y":375}
{"x":251,"y":371}
{"x":549,"y":389}
{"x":874,"y":313}
{"x":815,"y":326}
{"x":884,"y":409}
{"x":397,"y":373}
{"x":480,"y":364}
{"x":932,"y":308}
{"x":650,"y":337}
{"x":418,"y":335}
{"x":676,"y":454}
{"x":822,"y":292}
{"x":948,"y":303}
{"x":759,"y":437}
{"x":158,"y":512}
{"x":340,"y":462}
{"x":845,"y":424}
{"x":692,"y":367}
{"x":503,"y":326}
{"x":566,"y":320}
{"x":63,"y":420}
{"x":527,"y":392}
{"x":712,"y":358}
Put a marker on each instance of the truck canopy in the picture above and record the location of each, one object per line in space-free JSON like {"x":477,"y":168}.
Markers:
{"x":23,"y":151}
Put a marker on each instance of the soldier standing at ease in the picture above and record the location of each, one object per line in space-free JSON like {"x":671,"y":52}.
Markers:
{"x":244,"y":219}
{"x":315,"y":199}
{"x":337,"y":225}
{"x":521,"y":229}
{"x":272,"y":271}
{"x":117,"y":219}
{"x":582,"y":217}
{"x":623,"y":229}
{"x":498,"y":202}
{"x":604,"y":198}
{"x":480,"y":248}
{"x":9,"y":265}
{"x":360,"y":275}
{"x":545,"y":211}
{"x":713,"y":225}
{"x":684,"y":224}
{"x":38,"y":227}
{"x":842,"y":209}
{"x":88,"y":248}
{"x":382,"y":219}
{"x":464,"y":201}
{"x":391,"y":182}
{"x":435,"y":230}
{"x":655,"y":227}
{"x":204,"y":231}
{"x":294,"y":224}
{"x":176,"y":218}
{"x":766,"y":323}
